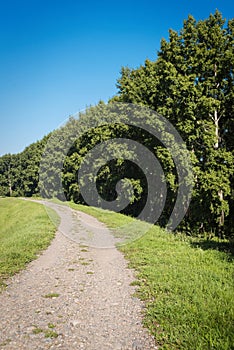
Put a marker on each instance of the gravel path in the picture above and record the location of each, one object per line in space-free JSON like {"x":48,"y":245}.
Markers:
{"x":73,"y":297}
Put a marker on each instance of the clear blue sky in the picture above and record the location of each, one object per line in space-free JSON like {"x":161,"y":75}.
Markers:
{"x":59,"y":56}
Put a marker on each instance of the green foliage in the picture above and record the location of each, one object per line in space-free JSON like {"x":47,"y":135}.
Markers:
{"x":19,"y":173}
{"x":109,"y":174}
{"x":191,"y":84}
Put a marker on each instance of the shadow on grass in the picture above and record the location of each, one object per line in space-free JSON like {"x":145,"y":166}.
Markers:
{"x":221,"y":246}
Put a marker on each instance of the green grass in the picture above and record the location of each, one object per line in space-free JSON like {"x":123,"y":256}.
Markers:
{"x":51,"y":295}
{"x":188,"y":292}
{"x":25,"y":230}
{"x":51,"y":325}
{"x":108,"y":217}
{"x":37,"y":330}
{"x":187,"y":286}
{"x":48,"y":333}
{"x":186,"y":283}
{"x":51,"y":334}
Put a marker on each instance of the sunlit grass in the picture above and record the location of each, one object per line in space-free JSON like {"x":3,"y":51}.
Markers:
{"x":25,"y":230}
{"x":186,"y":284}
{"x":188,"y":289}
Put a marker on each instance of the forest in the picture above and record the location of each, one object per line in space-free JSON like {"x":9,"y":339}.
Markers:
{"x":191,"y":85}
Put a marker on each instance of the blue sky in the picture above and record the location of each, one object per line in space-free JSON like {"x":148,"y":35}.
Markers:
{"x":57,"y":57}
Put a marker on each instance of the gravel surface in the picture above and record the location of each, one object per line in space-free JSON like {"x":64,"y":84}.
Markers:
{"x":74,"y":296}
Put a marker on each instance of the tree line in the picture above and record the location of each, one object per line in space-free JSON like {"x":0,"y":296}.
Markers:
{"x":191,"y":84}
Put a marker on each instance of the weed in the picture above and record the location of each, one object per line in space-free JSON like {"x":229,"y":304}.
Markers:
{"x":51,"y":334}
{"x":135,"y":283}
{"x":51,"y":295}
{"x":51,"y":325}
{"x":5,"y":342}
{"x":37,"y":330}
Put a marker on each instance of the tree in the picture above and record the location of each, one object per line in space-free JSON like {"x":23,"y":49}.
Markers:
{"x":192,"y":82}
{"x":6,"y":175}
{"x":19,"y":173}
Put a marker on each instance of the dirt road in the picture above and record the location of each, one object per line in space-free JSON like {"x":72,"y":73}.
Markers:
{"x":73,"y":296}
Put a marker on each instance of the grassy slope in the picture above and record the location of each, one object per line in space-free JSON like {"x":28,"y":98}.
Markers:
{"x":188,"y":290}
{"x":25,"y":230}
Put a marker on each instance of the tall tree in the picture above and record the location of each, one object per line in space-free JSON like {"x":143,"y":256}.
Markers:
{"x":192,"y":82}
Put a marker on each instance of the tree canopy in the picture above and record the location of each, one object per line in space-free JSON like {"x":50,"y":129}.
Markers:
{"x":191,"y":84}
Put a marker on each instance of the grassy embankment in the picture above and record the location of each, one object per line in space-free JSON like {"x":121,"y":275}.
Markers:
{"x":25,"y":230}
{"x":187,"y":286}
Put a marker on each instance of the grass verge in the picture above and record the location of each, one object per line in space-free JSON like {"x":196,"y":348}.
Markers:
{"x":109,"y":218}
{"x":25,"y":230}
{"x":187,"y":289}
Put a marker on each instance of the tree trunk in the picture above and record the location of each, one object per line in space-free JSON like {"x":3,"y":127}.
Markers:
{"x":216,"y":121}
{"x":221,"y":218}
{"x":9,"y":181}
{"x":216,"y":146}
